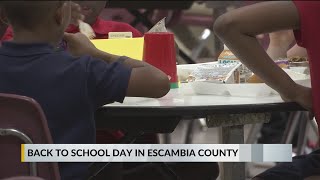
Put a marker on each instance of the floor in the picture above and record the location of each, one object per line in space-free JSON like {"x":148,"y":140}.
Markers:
{"x":203,"y":135}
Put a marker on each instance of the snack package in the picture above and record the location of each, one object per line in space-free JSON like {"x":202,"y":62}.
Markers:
{"x":227,"y":56}
{"x":217,"y":73}
{"x":242,"y":72}
{"x":160,"y":26}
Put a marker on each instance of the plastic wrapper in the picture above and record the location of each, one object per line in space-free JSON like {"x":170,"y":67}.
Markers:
{"x":218,"y":73}
{"x":160,"y":26}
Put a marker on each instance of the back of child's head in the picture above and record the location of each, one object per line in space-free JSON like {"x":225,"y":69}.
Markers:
{"x":30,"y":15}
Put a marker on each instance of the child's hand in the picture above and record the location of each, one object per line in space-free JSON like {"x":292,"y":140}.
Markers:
{"x":79,"y":44}
{"x":303,"y":97}
{"x":76,"y":14}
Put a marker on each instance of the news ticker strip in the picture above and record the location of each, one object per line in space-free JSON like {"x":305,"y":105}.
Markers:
{"x":156,"y":152}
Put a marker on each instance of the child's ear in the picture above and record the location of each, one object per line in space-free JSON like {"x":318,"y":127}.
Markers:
{"x":62,"y":15}
{"x":58,"y":16}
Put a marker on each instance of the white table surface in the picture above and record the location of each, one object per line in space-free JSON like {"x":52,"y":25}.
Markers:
{"x":185,"y":96}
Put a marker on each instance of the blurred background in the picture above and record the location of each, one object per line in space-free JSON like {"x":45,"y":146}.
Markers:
{"x":190,"y":21}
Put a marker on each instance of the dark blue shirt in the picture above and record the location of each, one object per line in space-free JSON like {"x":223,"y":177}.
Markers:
{"x":69,"y":90}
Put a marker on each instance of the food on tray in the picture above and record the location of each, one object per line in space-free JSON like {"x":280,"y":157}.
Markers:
{"x":297,"y":59}
{"x":190,"y":78}
{"x":254,"y":79}
{"x":283,"y":63}
{"x":236,"y":75}
{"x":183,"y":74}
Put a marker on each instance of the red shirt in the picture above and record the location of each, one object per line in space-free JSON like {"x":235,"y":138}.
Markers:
{"x":8,"y":35}
{"x":308,"y":36}
{"x":101,"y":28}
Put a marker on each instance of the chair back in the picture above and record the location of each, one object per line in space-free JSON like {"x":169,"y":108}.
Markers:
{"x":22,"y":121}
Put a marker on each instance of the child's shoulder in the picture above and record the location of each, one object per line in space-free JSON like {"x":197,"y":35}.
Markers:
{"x":65,"y":59}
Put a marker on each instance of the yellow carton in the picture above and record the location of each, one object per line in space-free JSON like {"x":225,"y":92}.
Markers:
{"x":131,"y":47}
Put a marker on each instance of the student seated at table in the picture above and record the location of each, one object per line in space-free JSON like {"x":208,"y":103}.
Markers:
{"x":91,"y":11}
{"x":69,"y":86}
{"x":237,"y":30}
{"x":198,"y":169}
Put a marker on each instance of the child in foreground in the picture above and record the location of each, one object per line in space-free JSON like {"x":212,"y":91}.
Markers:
{"x":77,"y":84}
{"x":71,"y":85}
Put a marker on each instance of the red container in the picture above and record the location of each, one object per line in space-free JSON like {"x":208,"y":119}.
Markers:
{"x":159,"y":51}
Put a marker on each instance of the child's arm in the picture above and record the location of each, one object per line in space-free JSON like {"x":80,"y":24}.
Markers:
{"x":238,"y":28}
{"x":145,"y":80}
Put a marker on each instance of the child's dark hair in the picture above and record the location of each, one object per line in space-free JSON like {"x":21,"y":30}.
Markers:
{"x":28,"y":14}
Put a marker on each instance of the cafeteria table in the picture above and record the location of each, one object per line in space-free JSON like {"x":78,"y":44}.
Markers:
{"x":149,"y":115}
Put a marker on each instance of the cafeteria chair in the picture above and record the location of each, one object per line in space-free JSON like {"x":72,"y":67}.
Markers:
{"x":22,"y":121}
{"x":299,"y":120}
{"x":296,"y":120}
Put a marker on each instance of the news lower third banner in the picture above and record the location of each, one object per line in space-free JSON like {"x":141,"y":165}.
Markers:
{"x":156,"y":153}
